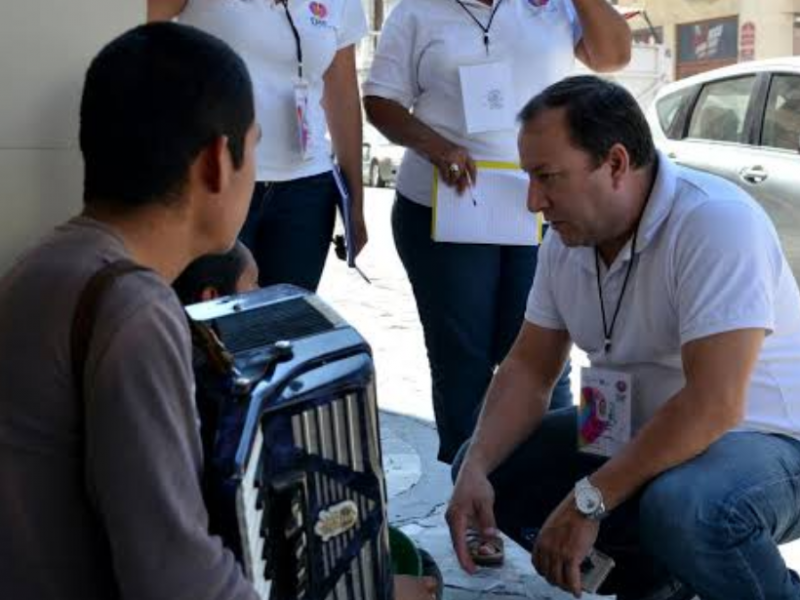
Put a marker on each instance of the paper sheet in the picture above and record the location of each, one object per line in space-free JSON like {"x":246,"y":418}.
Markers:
{"x":499,"y":215}
{"x":488,"y":96}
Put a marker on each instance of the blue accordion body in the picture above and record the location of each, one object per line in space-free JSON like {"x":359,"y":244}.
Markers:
{"x":294,"y":481}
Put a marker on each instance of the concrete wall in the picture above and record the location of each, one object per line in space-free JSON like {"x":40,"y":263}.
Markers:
{"x":45,"y":47}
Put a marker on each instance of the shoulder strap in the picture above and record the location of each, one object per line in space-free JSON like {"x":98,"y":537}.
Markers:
{"x":83,"y":320}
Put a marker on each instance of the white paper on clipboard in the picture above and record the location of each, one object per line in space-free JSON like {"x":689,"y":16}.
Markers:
{"x":498,"y":216}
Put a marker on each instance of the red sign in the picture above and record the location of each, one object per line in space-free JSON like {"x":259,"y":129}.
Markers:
{"x":747,"y":41}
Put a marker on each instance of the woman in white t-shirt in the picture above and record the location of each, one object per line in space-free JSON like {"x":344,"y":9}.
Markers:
{"x":301,"y":58}
{"x":432,"y":55}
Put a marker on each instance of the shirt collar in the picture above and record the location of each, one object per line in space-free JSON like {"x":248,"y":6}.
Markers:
{"x":660,"y":203}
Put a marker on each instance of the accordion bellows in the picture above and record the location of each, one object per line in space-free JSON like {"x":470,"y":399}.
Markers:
{"x":294,"y":480}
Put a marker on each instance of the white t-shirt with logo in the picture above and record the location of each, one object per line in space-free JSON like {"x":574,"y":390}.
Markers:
{"x":424,"y":43}
{"x":708,"y":261}
{"x":260,"y":32}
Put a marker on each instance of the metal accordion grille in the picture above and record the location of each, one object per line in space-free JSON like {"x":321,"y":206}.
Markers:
{"x":335,"y":529}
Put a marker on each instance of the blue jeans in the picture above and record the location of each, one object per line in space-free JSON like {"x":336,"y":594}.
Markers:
{"x":713,"y":523}
{"x":289,"y":228}
{"x":471,"y":300}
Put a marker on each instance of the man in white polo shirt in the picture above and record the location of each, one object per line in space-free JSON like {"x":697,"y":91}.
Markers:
{"x":675,"y":285}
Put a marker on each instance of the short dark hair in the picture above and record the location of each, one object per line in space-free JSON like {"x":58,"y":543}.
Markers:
{"x":220,"y":272}
{"x":599,"y":114}
{"x":152,"y":100}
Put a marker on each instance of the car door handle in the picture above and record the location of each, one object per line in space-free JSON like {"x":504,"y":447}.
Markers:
{"x":754,"y":175}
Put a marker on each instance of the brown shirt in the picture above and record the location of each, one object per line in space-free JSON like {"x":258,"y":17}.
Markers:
{"x":117,"y":513}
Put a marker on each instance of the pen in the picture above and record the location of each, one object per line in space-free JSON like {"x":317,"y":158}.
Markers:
{"x":471,"y":189}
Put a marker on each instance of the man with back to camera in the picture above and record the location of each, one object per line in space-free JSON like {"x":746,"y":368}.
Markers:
{"x":100,"y":495}
{"x":674,"y":283}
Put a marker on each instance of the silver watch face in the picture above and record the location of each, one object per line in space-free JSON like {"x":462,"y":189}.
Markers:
{"x":588,"y":500}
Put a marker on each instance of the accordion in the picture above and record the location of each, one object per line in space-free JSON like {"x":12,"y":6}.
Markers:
{"x":294,"y":481}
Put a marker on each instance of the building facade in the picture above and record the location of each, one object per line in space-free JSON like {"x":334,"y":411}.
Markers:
{"x":706,"y":34}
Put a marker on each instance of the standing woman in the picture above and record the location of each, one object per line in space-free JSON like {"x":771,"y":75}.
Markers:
{"x":471,"y":297}
{"x":301,"y":57}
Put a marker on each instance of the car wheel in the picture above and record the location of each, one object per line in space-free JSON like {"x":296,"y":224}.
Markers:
{"x":375,"y":176}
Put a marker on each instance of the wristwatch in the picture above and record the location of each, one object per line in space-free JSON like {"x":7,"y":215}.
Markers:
{"x":589,"y":500}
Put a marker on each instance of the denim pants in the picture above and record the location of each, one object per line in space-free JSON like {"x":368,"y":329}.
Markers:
{"x":713,"y":523}
{"x":289,"y":228}
{"x":471,"y":300}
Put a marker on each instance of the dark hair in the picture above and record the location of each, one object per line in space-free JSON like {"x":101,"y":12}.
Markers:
{"x":152,"y":100}
{"x":599,"y":113}
{"x":217,"y":271}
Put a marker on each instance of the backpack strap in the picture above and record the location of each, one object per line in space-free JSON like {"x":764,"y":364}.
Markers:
{"x":83,"y":320}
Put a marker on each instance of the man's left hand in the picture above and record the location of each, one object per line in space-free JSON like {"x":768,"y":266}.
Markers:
{"x":564,"y":541}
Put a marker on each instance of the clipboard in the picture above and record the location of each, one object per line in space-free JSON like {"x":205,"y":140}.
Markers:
{"x":494,"y":211}
{"x":346,"y":213}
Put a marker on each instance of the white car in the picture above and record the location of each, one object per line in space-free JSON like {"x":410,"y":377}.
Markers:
{"x":743,"y":123}
{"x":380,"y":158}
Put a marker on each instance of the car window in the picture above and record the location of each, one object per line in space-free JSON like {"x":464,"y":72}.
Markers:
{"x":719,"y":114}
{"x":667,"y":109}
{"x":782,"y":116}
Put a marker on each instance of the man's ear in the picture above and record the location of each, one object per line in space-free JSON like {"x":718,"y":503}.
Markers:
{"x":620,"y":162}
{"x":209,"y":293}
{"x":215,"y":165}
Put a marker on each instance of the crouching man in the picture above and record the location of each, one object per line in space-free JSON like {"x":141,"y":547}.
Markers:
{"x":675,"y":285}
{"x":100,"y":456}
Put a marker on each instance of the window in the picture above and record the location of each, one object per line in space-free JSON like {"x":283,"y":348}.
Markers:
{"x":721,"y":110}
{"x":668,"y":109}
{"x":782,"y":117}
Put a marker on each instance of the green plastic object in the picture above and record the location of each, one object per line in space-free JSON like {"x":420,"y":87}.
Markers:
{"x":406,"y":559}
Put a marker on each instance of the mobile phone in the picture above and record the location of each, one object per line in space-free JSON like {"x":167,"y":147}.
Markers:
{"x":595,"y":568}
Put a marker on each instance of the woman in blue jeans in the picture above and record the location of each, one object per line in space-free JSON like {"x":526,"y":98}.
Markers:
{"x":301,"y":58}
{"x":471,"y":300}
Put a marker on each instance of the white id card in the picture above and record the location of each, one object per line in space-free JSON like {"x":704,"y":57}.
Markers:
{"x":301,"y":114}
{"x":604,"y":414}
{"x":487,"y":92}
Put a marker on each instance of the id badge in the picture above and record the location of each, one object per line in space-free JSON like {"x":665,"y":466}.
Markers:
{"x":301,"y":115}
{"x":604,"y":414}
{"x":487,"y":93}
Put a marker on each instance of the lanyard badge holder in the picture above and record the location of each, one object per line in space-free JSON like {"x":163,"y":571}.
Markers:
{"x":487,"y":88}
{"x":301,"y":91}
{"x":301,"y":114}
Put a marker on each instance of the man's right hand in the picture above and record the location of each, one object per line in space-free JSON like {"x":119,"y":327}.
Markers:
{"x":472,"y":505}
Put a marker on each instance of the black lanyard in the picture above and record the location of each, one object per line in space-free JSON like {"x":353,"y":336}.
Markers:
{"x":486,"y":29}
{"x":297,"y":44}
{"x":608,"y":332}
